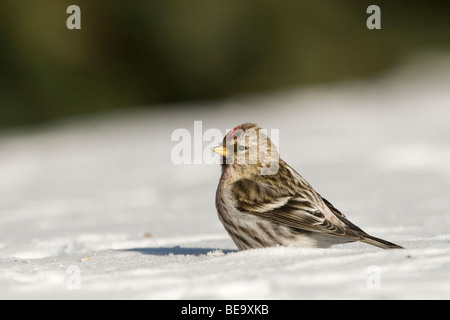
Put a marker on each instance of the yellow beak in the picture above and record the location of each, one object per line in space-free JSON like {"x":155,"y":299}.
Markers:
{"x":220,"y":150}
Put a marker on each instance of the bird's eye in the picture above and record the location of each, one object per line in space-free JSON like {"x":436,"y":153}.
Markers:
{"x":241,"y":148}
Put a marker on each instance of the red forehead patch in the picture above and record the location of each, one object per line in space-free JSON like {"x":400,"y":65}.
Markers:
{"x":232,"y":133}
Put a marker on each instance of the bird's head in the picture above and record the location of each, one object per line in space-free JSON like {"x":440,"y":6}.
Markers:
{"x":248,"y":150}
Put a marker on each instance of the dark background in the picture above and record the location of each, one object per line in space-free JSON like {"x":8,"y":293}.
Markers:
{"x":155,"y":54}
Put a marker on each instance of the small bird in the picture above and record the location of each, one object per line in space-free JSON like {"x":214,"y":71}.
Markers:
{"x":263,"y":202}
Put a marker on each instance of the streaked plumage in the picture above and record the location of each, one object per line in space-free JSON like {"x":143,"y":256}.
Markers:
{"x":263,"y":210}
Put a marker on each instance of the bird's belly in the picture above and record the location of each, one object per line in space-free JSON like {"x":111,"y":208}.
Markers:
{"x":250,"y":231}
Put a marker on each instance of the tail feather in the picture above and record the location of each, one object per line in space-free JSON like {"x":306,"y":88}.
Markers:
{"x":380,"y":243}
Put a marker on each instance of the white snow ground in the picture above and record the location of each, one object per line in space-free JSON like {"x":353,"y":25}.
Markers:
{"x":94,"y":208}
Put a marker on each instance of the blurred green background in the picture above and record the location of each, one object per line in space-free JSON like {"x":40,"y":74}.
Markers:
{"x":156,"y":53}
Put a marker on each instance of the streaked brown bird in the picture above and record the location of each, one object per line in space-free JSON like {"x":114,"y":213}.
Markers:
{"x":263,"y":202}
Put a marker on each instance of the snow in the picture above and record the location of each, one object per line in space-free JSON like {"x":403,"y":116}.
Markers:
{"x":94,"y":208}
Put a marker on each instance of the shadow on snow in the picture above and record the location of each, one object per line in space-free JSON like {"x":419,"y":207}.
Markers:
{"x":165,"y":251}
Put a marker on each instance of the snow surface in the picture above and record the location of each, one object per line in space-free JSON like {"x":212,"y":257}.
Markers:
{"x":94,"y":208}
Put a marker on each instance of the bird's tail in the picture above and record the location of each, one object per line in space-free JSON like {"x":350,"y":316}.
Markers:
{"x":380,"y":243}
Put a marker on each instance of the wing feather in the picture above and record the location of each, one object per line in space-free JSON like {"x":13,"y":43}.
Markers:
{"x":290,"y":209}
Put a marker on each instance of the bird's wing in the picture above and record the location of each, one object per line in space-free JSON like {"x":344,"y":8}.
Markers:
{"x":341,"y":216}
{"x":292,"y":209}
